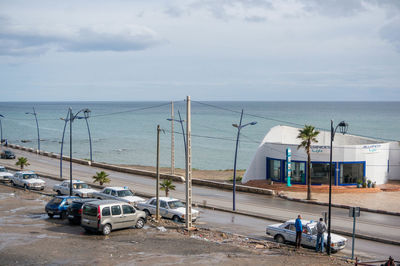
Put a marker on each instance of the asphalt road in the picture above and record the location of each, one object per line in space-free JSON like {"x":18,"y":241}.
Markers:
{"x":372,"y":224}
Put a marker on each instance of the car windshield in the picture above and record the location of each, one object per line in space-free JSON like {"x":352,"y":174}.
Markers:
{"x":3,"y":169}
{"x":30,"y":176}
{"x":175,"y":204}
{"x":8,"y":152}
{"x":125,"y":193}
{"x":80,"y":185}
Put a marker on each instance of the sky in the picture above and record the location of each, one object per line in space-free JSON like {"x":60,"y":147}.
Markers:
{"x":256,"y":50}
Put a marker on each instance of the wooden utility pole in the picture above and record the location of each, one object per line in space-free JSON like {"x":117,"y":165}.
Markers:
{"x":188,"y":216}
{"x":158,"y":175}
{"x":172,"y":140}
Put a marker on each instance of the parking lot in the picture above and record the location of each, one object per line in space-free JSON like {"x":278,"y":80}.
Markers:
{"x":28,"y":236}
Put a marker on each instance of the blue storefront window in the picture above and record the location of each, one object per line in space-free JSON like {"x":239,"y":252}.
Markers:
{"x":351,"y":172}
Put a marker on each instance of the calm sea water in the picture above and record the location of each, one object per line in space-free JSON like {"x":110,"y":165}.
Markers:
{"x":125,"y":132}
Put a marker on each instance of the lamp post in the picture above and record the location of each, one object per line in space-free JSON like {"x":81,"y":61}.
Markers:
{"x":343,"y":126}
{"x":239,"y":127}
{"x":37,"y":126}
{"x":86,"y":114}
{"x":183,"y":130}
{"x":62,"y":142}
{"x":1,"y":130}
{"x":71,"y":119}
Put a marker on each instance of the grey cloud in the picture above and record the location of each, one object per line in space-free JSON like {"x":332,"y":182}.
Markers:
{"x":17,"y":40}
{"x":391,"y":33}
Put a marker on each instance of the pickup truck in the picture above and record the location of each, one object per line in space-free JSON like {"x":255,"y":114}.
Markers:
{"x":169,"y":208}
{"x":118,"y":193}
{"x":27,"y":180}
{"x":79,"y":188}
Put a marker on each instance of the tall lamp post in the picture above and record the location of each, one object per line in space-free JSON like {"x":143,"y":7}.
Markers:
{"x":71,"y":119}
{"x":37,"y":126}
{"x":1,"y":130}
{"x":86,"y":114}
{"x":343,"y":126}
{"x":239,"y":127}
{"x":183,"y":130}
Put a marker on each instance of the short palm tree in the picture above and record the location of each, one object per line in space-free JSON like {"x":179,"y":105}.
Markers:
{"x":308,"y":136}
{"x":101,"y":177}
{"x":167,"y":186}
{"x":22,"y":162}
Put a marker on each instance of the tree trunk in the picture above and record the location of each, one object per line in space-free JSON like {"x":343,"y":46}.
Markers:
{"x":101,"y":183}
{"x":308,"y":174}
{"x":166,"y":192}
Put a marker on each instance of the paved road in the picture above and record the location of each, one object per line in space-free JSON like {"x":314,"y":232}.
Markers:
{"x":378,"y":225}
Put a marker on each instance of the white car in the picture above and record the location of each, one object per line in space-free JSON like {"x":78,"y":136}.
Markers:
{"x":286,"y":232}
{"x":28,"y":180}
{"x":169,"y":208}
{"x":5,"y":176}
{"x":118,"y":193}
{"x":79,"y":188}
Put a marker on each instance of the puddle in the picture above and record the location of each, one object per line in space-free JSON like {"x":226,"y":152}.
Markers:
{"x":40,"y":216}
{"x":6,"y":195}
{"x":17,"y":209}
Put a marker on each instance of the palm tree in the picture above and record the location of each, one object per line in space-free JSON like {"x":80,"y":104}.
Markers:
{"x":167,"y":186}
{"x":22,"y":161}
{"x":101,"y":177}
{"x":308,"y":136}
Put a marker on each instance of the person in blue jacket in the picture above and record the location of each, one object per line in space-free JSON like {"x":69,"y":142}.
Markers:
{"x":299,"y":230}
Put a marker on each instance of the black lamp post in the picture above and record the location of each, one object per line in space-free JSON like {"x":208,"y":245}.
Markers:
{"x":1,"y":129}
{"x":37,"y":126}
{"x":239,"y":127}
{"x":343,"y":126}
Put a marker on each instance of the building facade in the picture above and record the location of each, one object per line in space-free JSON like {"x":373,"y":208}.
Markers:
{"x":354,"y":159}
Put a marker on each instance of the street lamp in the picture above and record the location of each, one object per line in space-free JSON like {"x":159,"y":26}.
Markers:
{"x":1,"y":130}
{"x":183,"y":130}
{"x":239,"y":127}
{"x":71,"y":119}
{"x":37,"y":126}
{"x":343,"y":126}
{"x":86,"y":114}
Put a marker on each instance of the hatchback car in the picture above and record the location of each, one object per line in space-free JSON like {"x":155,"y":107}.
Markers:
{"x":7,"y":154}
{"x":106,"y":215}
{"x":74,"y":210}
{"x":59,"y":205}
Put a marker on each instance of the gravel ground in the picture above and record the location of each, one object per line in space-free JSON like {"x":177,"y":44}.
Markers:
{"x":28,"y":236}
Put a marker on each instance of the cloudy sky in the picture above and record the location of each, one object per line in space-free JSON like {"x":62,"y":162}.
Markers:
{"x":212,"y":50}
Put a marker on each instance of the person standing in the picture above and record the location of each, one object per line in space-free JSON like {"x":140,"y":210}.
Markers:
{"x":299,"y":230}
{"x":321,"y":229}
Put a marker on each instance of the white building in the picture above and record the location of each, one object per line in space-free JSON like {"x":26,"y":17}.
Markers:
{"x":354,"y":158}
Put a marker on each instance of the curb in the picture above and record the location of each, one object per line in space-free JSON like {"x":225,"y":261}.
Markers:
{"x":338,"y":205}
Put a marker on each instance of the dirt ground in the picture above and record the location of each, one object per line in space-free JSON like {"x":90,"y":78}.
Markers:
{"x":28,"y":236}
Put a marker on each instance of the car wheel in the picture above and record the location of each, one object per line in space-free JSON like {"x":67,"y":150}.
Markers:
{"x":58,"y":193}
{"x":50,"y":215}
{"x":147,"y":213}
{"x":106,"y":229}
{"x":63,"y":215}
{"x":25,"y":187}
{"x":279,"y":239}
{"x":12,"y":183}
{"x":88,"y":231}
{"x":176,"y":219}
{"x":140,"y":223}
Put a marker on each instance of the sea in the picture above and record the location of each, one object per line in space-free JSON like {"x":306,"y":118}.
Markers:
{"x":126,"y":132}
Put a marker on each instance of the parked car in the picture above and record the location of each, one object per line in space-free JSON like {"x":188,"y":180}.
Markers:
{"x":59,"y":205}
{"x":118,"y":193}
{"x":106,"y":215}
{"x":7,"y":154}
{"x":169,"y":208}
{"x":74,"y":211}
{"x":79,"y":188}
{"x":5,"y":176}
{"x":286,"y":232}
{"x":27,"y":180}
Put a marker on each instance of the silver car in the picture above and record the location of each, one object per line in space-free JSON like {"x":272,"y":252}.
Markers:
{"x":286,"y":232}
{"x":5,"y":176}
{"x":107,"y":215}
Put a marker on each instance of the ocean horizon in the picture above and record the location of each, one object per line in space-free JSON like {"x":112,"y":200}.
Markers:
{"x":124,"y":132}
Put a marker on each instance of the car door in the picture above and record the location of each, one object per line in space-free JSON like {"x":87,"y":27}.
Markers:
{"x":65,"y":188}
{"x":164,"y":209}
{"x":129,"y":215}
{"x":117,"y":219}
{"x":290,"y":232}
{"x":105,"y":194}
{"x":308,"y":238}
{"x":114,"y":194}
{"x":152,"y":206}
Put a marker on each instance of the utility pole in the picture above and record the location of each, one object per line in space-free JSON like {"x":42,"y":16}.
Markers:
{"x":70,"y":150}
{"x":158,"y":175}
{"x":172,"y":140}
{"x":188,"y":216}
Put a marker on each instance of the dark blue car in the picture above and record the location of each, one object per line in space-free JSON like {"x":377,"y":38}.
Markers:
{"x":59,"y":205}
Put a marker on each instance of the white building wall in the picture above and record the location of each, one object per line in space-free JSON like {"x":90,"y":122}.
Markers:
{"x":394,"y":161}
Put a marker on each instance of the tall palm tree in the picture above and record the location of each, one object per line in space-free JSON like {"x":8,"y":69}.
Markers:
{"x":308,"y":136}
{"x":101,"y":177}
{"x":22,"y":161}
{"x":167,"y":186}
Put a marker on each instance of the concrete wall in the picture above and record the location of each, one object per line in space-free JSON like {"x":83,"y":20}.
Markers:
{"x":394,"y":161}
